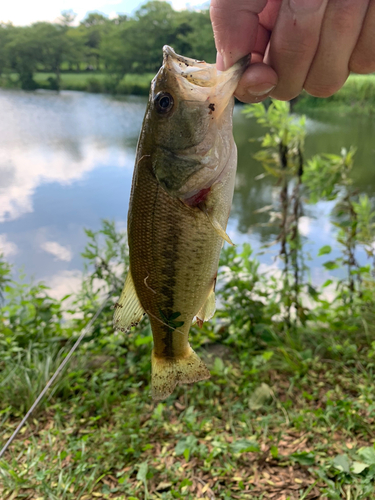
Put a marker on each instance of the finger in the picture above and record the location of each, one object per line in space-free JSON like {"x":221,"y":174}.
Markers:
{"x":235,"y":25}
{"x":293,"y":44}
{"x":363,"y":57}
{"x":257,"y":83}
{"x":341,"y":28}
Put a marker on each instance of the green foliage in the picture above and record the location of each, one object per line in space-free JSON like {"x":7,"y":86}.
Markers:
{"x":286,"y":405}
{"x":120,"y":46}
{"x":99,"y":432}
{"x":357,"y":95}
{"x":281,"y":156}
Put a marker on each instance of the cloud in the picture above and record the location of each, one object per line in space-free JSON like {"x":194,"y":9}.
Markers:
{"x":31,"y":167}
{"x":183,"y":4}
{"x":7,"y":248}
{"x":26,"y":12}
{"x":304,"y":225}
{"x":64,"y":283}
{"x":59,"y":251}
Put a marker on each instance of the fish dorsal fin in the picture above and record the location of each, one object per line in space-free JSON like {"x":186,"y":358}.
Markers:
{"x":215,"y":224}
{"x":129,"y":311}
{"x":207,"y":311}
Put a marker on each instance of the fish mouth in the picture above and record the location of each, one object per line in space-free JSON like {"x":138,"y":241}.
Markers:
{"x":200,"y":73}
{"x":201,"y":81}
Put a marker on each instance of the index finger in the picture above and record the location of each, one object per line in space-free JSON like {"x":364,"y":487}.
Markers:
{"x":235,"y":24}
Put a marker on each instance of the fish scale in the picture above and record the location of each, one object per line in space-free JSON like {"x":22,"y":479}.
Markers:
{"x":180,"y":201}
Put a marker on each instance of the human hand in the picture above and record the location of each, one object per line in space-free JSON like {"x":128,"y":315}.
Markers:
{"x":295,"y":44}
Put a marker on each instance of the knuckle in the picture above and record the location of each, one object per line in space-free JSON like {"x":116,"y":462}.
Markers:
{"x":286,"y":48}
{"x":345,"y":17}
{"x":362,"y":63}
{"x":321,"y":89}
{"x":283,"y":93}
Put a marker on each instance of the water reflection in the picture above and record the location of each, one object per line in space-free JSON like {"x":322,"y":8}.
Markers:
{"x":50,"y":138}
{"x":66,"y":162}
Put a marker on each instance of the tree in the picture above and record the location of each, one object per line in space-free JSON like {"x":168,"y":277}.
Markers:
{"x":67,"y":17}
{"x":96,"y":25}
{"x":23,"y":53}
{"x":54,"y":45}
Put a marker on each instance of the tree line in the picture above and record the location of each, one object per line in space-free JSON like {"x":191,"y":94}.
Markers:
{"x":118,"y":46}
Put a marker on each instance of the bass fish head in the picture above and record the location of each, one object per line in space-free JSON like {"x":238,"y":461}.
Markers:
{"x":189,"y":120}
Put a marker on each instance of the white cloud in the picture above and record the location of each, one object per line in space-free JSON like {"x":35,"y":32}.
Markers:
{"x":183,"y":4}
{"x":64,"y":283}
{"x":59,"y":251}
{"x":31,"y":167}
{"x":304,"y":225}
{"x":25,"y":12}
{"x":7,"y":248}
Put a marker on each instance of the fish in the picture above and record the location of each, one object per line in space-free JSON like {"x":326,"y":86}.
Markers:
{"x":180,"y":201}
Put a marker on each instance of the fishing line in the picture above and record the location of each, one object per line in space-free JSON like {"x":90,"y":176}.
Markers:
{"x":66,"y":360}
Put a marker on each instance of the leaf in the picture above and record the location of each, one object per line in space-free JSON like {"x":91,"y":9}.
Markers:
{"x":180,"y":447}
{"x":143,"y":340}
{"x":312,"y":291}
{"x":358,"y":467}
{"x":260,"y":396}
{"x":218,"y":365}
{"x":174,"y":315}
{"x":186,"y":454}
{"x":303,"y":458}
{"x":244,"y":446}
{"x":176,"y":324}
{"x":142,"y":472}
{"x":341,"y":462}
{"x":330,"y":265}
{"x":325,"y":250}
{"x":367,"y":453}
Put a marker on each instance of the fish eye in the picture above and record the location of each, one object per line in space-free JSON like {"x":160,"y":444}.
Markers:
{"x":163,"y":102}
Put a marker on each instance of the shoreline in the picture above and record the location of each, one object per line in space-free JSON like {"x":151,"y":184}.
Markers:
{"x":356,"y":96}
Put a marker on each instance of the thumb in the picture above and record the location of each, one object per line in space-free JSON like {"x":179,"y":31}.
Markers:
{"x":235,"y":25}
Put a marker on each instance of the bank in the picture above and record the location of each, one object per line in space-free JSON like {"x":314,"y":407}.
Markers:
{"x":357,"y":95}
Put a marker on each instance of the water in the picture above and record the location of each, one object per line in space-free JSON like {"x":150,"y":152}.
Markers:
{"x":66,"y":162}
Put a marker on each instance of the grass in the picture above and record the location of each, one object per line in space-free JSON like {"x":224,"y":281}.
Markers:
{"x":281,"y":423}
{"x":357,"y":95}
{"x":90,"y":82}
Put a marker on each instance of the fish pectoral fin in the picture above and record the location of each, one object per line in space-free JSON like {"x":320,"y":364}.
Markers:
{"x":129,"y":311}
{"x":207,"y":311}
{"x":167,"y":373}
{"x":215,"y":224}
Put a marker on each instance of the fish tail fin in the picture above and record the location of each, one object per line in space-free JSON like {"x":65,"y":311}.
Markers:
{"x":167,"y":373}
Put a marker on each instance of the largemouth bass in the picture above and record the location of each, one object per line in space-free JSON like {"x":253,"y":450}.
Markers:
{"x":179,"y":207}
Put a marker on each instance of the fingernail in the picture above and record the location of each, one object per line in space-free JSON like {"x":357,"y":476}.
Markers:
{"x":219,"y":62}
{"x":224,"y":60}
{"x":259,"y":90}
{"x":303,"y":6}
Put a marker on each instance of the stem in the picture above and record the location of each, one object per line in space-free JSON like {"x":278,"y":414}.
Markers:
{"x":295,"y":234}
{"x":284,"y":200}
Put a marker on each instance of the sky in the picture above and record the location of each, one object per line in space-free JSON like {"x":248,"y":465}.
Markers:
{"x":25,"y":12}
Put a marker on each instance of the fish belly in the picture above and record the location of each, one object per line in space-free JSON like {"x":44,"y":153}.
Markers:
{"x":174,"y":254}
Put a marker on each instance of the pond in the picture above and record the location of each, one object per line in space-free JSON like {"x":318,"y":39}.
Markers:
{"x":66,"y":162}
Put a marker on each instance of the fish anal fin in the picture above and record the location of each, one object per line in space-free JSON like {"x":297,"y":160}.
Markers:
{"x":207,"y":310}
{"x":215,"y":224}
{"x":129,"y":311}
{"x":167,"y":373}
